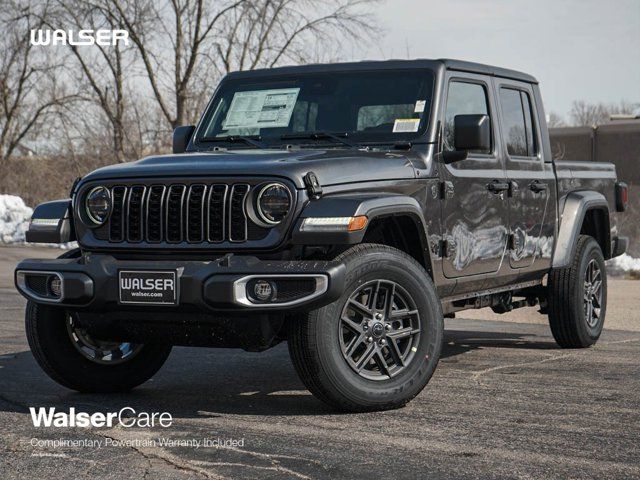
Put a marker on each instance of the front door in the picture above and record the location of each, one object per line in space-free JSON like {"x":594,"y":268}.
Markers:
{"x":531,"y":179}
{"x":474,"y":209}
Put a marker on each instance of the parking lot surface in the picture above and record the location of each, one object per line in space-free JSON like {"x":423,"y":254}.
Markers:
{"x":505,"y":402}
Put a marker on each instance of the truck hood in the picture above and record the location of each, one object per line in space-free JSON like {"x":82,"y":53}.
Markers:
{"x":332,"y":166}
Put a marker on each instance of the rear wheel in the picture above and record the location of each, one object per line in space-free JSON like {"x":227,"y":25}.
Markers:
{"x":75,"y":359}
{"x":578,"y":297}
{"x":377,"y":346}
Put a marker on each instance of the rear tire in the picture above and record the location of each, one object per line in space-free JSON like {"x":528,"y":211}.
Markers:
{"x":577,"y":297}
{"x":55,"y":346}
{"x":396,"y":302}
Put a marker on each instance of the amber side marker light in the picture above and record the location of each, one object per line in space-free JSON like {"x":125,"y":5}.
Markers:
{"x":334,"y":224}
{"x":357,"y":223}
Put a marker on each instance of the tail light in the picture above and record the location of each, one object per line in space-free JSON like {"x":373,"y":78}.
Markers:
{"x":622,"y":196}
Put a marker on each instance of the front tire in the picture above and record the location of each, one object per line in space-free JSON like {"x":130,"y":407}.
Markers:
{"x":577,"y":297}
{"x":377,"y":346}
{"x":75,"y":360}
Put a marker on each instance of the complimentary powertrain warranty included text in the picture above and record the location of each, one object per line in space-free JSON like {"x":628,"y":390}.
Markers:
{"x":163,"y":442}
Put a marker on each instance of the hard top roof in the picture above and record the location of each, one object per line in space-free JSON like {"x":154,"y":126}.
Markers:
{"x":450,"y":64}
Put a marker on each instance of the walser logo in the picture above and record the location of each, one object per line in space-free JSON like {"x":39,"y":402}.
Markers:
{"x":82,"y":37}
{"x":125,"y":417}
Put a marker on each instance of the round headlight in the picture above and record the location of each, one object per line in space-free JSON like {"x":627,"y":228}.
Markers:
{"x":274,"y":202}
{"x":98,"y":205}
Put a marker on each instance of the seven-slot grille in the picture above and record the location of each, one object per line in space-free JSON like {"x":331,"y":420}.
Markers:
{"x":196,"y":213}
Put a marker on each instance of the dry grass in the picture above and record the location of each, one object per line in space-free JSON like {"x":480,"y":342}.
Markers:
{"x":39,"y":179}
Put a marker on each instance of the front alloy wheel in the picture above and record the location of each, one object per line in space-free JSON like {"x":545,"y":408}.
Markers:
{"x":379,"y":329}
{"x":100,"y":351}
{"x":75,"y":359}
{"x":376,"y":347}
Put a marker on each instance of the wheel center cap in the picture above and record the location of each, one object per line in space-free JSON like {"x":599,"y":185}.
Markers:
{"x":377,"y":329}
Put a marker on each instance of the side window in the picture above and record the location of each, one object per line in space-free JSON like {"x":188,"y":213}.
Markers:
{"x":463,"y":99}
{"x":517,"y":123}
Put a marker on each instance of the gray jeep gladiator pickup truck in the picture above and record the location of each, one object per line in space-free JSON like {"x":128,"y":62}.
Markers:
{"x":346,"y":209}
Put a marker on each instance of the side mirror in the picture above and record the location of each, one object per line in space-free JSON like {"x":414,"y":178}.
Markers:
{"x":472,"y":132}
{"x":181,"y":137}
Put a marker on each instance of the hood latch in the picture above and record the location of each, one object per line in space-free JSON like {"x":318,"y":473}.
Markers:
{"x":313,"y":185}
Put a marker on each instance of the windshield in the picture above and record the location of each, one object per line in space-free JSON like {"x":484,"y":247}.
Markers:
{"x":375,"y":107}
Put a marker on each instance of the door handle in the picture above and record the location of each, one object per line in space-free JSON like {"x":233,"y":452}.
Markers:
{"x":497,"y":186}
{"x":537,"y":186}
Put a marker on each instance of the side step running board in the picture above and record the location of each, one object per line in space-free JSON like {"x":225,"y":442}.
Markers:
{"x":499,"y":298}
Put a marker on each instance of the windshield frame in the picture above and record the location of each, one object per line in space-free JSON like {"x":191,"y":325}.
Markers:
{"x":359,"y":138}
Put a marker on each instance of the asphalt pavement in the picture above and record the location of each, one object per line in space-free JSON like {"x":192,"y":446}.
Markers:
{"x":505,"y":402}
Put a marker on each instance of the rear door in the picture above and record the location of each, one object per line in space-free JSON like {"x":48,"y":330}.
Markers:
{"x":474,"y":216}
{"x":531,"y":180}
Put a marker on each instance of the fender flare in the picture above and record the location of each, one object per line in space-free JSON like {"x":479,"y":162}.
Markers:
{"x":356,"y":205}
{"x":576,"y":206}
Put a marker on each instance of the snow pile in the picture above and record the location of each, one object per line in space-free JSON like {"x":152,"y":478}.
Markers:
{"x":14,"y":219}
{"x":14,"y":222}
{"x":624,"y":264}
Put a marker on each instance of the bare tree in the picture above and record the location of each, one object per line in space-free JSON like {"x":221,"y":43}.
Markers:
{"x":30,"y":89}
{"x":592,"y":114}
{"x":105,"y":74}
{"x":186,"y":45}
{"x":624,"y":107}
{"x":555,"y":120}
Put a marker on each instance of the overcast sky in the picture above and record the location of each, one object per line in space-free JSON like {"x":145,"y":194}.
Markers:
{"x":577,"y":49}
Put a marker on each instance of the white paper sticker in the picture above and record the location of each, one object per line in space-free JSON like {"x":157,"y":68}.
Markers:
{"x":261,"y":108}
{"x":406,"y":125}
{"x":420,"y":106}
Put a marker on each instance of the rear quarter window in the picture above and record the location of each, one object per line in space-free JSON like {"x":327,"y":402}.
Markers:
{"x":517,"y":124}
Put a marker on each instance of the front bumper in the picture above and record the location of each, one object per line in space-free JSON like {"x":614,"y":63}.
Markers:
{"x":91,"y":283}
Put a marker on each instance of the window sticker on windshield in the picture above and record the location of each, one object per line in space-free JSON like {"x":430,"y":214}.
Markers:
{"x":406,"y":125}
{"x":420,"y":106}
{"x":261,"y":108}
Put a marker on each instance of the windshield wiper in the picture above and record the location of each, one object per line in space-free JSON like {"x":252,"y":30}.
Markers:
{"x":338,"y":137}
{"x":252,"y":140}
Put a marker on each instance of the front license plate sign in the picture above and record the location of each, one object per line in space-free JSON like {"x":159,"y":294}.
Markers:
{"x":148,"y":287}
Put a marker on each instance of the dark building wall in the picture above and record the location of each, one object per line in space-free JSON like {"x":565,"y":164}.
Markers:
{"x":572,"y":143}
{"x":619,"y":142}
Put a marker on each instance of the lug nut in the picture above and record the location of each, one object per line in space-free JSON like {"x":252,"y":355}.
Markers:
{"x":369,"y":339}
{"x":365,"y":327}
{"x":382,"y":342}
{"x":378,"y":316}
{"x":387,"y":327}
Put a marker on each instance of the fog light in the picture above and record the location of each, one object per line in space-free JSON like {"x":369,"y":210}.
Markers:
{"x":264,"y":290}
{"x":55,"y":286}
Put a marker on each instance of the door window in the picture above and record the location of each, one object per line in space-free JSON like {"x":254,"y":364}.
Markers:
{"x":463,"y":99}
{"x":517,"y":124}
